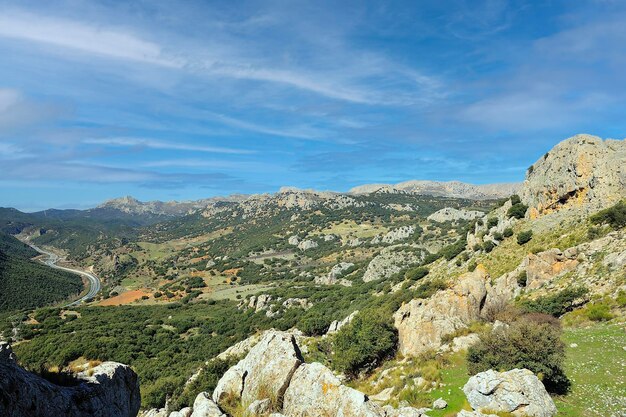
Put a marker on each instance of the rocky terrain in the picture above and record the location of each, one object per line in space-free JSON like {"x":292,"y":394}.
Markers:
{"x":381,"y":298}
{"x":108,"y":390}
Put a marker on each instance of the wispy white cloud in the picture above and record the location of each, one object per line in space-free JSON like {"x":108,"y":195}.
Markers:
{"x":158,"y":144}
{"x":92,"y":39}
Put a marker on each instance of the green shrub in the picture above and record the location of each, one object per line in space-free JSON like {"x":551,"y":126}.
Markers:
{"x":526,"y":343}
{"x":364,"y":343}
{"x":598,"y":312}
{"x":492,"y":222}
{"x":472,"y":266}
{"x":508,"y":232}
{"x":515,"y":199}
{"x":488,"y":246}
{"x":556,"y":305}
{"x":517,"y":210}
{"x":415,"y":274}
{"x":522,"y":278}
{"x":524,"y":237}
{"x":615,"y":216}
{"x":313,"y":326}
{"x":621,"y":298}
{"x":498,"y":236}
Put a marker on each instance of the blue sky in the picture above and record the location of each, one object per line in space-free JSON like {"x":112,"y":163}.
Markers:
{"x":185,"y":100}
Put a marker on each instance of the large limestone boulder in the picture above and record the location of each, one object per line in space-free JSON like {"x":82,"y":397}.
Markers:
{"x":264,"y":373}
{"x":517,"y":391}
{"x":582,"y":172}
{"x":422,"y":323}
{"x":203,"y":406}
{"x":314,"y":391}
{"x":109,"y":390}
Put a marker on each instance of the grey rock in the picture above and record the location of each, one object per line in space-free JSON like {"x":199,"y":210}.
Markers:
{"x":203,"y":406}
{"x":582,"y":172}
{"x":267,"y":368}
{"x":440,"y":404}
{"x":421,"y":323}
{"x":184,"y":412}
{"x":259,"y":408}
{"x":517,"y":391}
{"x":449,"y":214}
{"x":109,"y":390}
{"x":315,"y":391}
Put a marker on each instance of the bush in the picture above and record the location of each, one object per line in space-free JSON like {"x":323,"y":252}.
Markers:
{"x":488,"y":246}
{"x":364,"y":343}
{"x":522,"y":278}
{"x":515,"y":199}
{"x":524,"y":237}
{"x":508,"y":232}
{"x":556,"y":305}
{"x":415,"y":274}
{"x":492,"y":222}
{"x":598,"y":312}
{"x":615,"y":216}
{"x":517,"y":210}
{"x":313,"y":326}
{"x":526,"y":343}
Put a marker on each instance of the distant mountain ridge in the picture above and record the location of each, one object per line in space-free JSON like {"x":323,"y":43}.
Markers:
{"x":455,"y":189}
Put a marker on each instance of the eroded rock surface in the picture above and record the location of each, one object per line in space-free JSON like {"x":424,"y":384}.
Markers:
{"x":111,"y":390}
{"x":582,"y":172}
{"x":421,"y":323}
{"x":517,"y":391}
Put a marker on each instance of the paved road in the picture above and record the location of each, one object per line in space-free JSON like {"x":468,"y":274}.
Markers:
{"x":94,"y":281}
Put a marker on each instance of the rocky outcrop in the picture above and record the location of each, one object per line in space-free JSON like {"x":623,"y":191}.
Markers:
{"x":391,"y":260}
{"x":264,"y":373}
{"x":108,"y":390}
{"x":450,"y":214}
{"x":583,"y":172}
{"x":422,"y":323}
{"x":315,"y":391}
{"x":307,"y":244}
{"x":395,"y":235}
{"x":517,"y":391}
{"x":273,"y":380}
{"x":335,"y":274}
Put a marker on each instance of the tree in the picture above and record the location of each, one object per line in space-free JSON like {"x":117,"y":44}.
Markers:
{"x":530,"y":342}
{"x":364,"y":343}
{"x":615,"y":216}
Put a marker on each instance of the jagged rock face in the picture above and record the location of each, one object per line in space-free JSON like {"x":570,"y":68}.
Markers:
{"x":422,"y":323}
{"x":111,"y":391}
{"x":264,"y":373}
{"x":517,"y":391}
{"x":582,"y":172}
{"x":315,"y":391}
{"x":450,"y":214}
{"x":203,"y":406}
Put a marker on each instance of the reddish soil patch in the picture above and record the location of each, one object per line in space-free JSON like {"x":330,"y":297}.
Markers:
{"x":125,"y":298}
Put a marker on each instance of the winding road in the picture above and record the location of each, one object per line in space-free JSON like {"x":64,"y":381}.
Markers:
{"x":94,"y":281}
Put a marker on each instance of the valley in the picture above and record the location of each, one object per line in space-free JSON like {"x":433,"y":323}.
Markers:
{"x":403,"y":291}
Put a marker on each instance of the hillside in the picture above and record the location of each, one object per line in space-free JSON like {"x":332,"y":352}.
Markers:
{"x":404,"y":295}
{"x":27,"y":284}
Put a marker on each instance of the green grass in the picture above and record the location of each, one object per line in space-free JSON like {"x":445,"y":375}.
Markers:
{"x":452,"y":380}
{"x":597,"y":368}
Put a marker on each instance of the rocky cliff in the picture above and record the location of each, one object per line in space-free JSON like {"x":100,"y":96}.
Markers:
{"x":583,"y":172}
{"x":108,"y":390}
